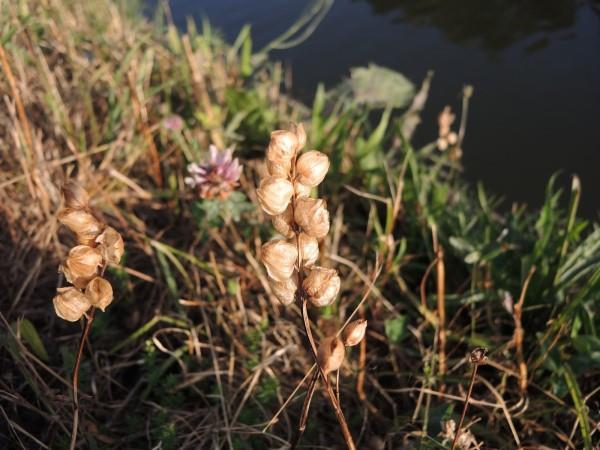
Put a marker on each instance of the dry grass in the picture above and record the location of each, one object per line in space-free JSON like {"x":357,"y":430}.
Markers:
{"x":195,"y":353}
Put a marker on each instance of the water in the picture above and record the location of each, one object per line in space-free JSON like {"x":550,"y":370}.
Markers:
{"x":535,"y":67}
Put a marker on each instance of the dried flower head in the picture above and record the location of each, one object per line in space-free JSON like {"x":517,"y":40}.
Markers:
{"x":81,"y":265}
{"x":330,"y":354}
{"x":75,"y":196}
{"x":70,"y":304}
{"x":285,"y":291}
{"x":99,"y":293}
{"x":279,"y":258}
{"x":312,"y":215}
{"x":274,"y":194}
{"x":217,"y":176}
{"x":322,"y":286}
{"x":110,"y":244}
{"x":354,"y":332}
{"x":312,"y":167}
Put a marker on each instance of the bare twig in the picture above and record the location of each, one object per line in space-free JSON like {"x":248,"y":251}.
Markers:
{"x":518,"y":334}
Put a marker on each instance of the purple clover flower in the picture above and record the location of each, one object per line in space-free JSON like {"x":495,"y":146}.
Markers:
{"x":217,"y":176}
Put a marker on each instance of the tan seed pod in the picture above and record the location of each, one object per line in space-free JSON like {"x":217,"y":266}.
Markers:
{"x":322,"y":286}
{"x":81,"y":265}
{"x":274,"y":195}
{"x":354,"y":332}
{"x":309,"y":248}
{"x":312,"y":167}
{"x":330,"y":354}
{"x":111,"y":246}
{"x":279,"y":169}
{"x":283,"y":146}
{"x":452,"y":138}
{"x":99,"y":292}
{"x":75,"y":195}
{"x":442,"y":143}
{"x":82,"y":223}
{"x":301,"y":136}
{"x":301,"y":190}
{"x":279,"y":258}
{"x":284,"y":222}
{"x":285,"y":291}
{"x":312,"y":215}
{"x":70,"y":304}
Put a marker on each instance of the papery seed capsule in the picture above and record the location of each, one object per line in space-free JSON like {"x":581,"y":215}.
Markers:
{"x":301,"y":135}
{"x":312,"y":215}
{"x":322,"y":286}
{"x":282,"y":147}
{"x":279,"y":169}
{"x":309,"y":248}
{"x":99,"y":292}
{"x":285,"y":291}
{"x":312,"y":167}
{"x":75,"y":195}
{"x":354,"y":332}
{"x":274,"y":194}
{"x":110,"y":244}
{"x":442,"y":143}
{"x":70,"y":304}
{"x":82,"y":223}
{"x":301,"y":190}
{"x":330,"y":354}
{"x":279,"y":258}
{"x":81,"y":265}
{"x":284,"y":222}
{"x":452,"y":138}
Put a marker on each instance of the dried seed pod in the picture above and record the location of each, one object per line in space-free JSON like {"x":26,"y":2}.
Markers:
{"x":82,"y":223}
{"x":285,"y":291}
{"x":330,"y":354}
{"x":442,"y":143}
{"x":99,"y":292}
{"x":452,"y":138}
{"x":279,"y":258}
{"x":75,"y":195}
{"x":354,"y":332}
{"x":312,"y":215}
{"x":309,"y":248}
{"x":301,"y":190}
{"x":70,"y":304}
{"x":81,"y":265}
{"x":312,"y":167}
{"x":301,"y":136}
{"x":284,"y":222}
{"x":322,"y":286}
{"x":279,"y":169}
{"x":282,"y":147}
{"x":110,"y":244}
{"x":274,"y":195}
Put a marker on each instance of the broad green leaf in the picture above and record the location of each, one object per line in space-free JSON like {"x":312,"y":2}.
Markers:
{"x":378,"y":86}
{"x":395,"y":329}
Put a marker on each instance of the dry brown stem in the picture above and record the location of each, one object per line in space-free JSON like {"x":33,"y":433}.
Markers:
{"x":518,"y":334}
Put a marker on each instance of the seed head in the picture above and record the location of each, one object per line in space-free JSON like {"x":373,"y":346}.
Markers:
{"x":75,"y":195}
{"x":110,"y":244}
{"x":284,"y":222}
{"x":285,"y":291}
{"x":85,"y":226}
{"x":283,"y":146}
{"x":301,"y":190}
{"x":309,"y":248}
{"x":301,"y":136}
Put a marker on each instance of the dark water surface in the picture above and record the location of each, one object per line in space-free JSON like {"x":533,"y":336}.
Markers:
{"x":535,"y":67}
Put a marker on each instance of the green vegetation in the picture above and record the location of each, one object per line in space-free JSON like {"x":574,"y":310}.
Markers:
{"x":193,"y":353}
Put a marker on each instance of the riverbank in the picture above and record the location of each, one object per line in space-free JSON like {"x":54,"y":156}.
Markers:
{"x":194,"y":353}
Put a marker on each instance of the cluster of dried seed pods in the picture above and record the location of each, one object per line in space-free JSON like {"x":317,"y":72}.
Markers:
{"x":98,"y":246}
{"x":285,"y":195}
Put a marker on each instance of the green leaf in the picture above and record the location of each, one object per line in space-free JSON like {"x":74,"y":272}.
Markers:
{"x":378,"y":86}
{"x":30,"y":335}
{"x":395,"y":329}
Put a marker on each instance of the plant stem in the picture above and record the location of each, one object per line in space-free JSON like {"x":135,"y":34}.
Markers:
{"x":84,"y":335}
{"x":518,"y":334}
